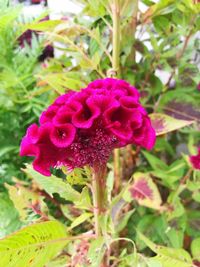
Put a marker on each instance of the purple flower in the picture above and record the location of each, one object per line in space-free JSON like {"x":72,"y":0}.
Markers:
{"x":195,"y":160}
{"x":198,"y":87}
{"x":82,"y":128}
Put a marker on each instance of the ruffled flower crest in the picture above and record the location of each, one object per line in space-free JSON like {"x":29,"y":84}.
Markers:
{"x":82,"y":128}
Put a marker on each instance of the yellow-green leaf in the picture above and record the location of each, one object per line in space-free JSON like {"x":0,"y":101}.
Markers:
{"x":21,"y":198}
{"x":33,"y":246}
{"x":46,"y":25}
{"x":60,"y":82}
{"x":79,"y":220}
{"x":53,"y":184}
{"x":195,"y":248}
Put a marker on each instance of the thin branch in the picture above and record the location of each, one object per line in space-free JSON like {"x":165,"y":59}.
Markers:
{"x":65,"y":39}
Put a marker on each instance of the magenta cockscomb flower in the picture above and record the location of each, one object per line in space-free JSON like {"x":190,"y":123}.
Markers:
{"x":195,"y":160}
{"x":82,"y":128}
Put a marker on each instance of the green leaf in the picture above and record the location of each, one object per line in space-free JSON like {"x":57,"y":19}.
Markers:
{"x":96,"y":59}
{"x":94,"y":43}
{"x":9,"y":216}
{"x":151,"y":262}
{"x":173,"y":257}
{"x":129,"y":260}
{"x":175,"y":237}
{"x":162,"y":24}
{"x":196,"y":195}
{"x":77,"y":177}
{"x":96,"y":252}
{"x":60,"y":261}
{"x":164,"y":7}
{"x":53,"y":185}
{"x":195,"y":248}
{"x":8,"y":17}
{"x":172,"y":175}
{"x":7,"y":149}
{"x":176,"y":207}
{"x":168,"y":257}
{"x":110,"y":184}
{"x":21,"y":198}
{"x":34,"y":245}
{"x":169,"y":174}
{"x":79,"y":220}
{"x":60,"y":81}
{"x":163,"y":123}
{"x":121,"y":224}
{"x":84,"y":202}
{"x":96,"y":8}
{"x":155,"y":162}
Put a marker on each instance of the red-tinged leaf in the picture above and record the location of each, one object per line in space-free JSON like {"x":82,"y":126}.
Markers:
{"x":141,"y":190}
{"x":163,"y":123}
{"x":144,"y":191}
{"x":196,"y":263}
{"x":182,"y":111}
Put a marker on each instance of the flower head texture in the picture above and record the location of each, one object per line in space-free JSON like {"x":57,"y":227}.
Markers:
{"x":195,"y":160}
{"x":82,"y":128}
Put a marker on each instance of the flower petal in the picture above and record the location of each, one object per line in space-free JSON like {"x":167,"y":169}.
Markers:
{"x":63,"y":136}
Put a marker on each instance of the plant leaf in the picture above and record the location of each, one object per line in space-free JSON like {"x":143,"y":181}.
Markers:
{"x":84,"y":202}
{"x":9,"y":216}
{"x":163,"y":123}
{"x":96,"y":252}
{"x":21,"y":198}
{"x":121,"y":224}
{"x":8,"y":17}
{"x":195,"y":248}
{"x":145,"y":191}
{"x":82,"y":218}
{"x":155,"y":162}
{"x":60,"y":81}
{"x":53,"y":184}
{"x":33,"y":246}
{"x":168,"y":257}
{"x":46,"y":25}
{"x":182,"y":111}
{"x":60,"y":261}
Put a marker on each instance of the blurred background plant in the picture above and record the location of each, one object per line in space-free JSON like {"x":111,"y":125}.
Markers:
{"x":157,"y":47}
{"x":19,"y":62}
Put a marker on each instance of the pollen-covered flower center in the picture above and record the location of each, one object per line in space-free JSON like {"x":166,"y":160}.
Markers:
{"x":93,"y":149}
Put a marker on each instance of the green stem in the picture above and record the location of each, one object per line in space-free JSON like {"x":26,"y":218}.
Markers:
{"x":116,"y":73}
{"x":132,"y":28}
{"x":98,"y":191}
{"x":116,"y":37}
{"x":117,"y":173}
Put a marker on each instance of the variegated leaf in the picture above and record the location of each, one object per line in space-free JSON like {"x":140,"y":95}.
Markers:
{"x":163,"y":123}
{"x":144,"y":191}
